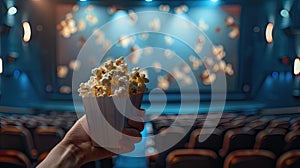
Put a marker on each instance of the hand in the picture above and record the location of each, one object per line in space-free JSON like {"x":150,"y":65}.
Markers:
{"x":77,"y":149}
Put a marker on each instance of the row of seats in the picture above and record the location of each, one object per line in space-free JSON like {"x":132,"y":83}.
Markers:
{"x":26,"y":139}
{"x":201,"y":158}
{"x":20,"y":139}
{"x":276,"y":135}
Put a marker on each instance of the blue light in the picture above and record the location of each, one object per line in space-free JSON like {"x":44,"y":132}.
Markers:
{"x":82,"y":0}
{"x":214,"y":0}
{"x":281,"y":76}
{"x":17,"y":73}
{"x":148,"y":0}
{"x":289,"y":76}
{"x":275,"y":75}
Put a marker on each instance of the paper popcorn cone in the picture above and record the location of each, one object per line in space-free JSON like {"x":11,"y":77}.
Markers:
{"x":106,"y":118}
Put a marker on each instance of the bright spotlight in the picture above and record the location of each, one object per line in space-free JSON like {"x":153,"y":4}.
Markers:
{"x":269,"y":32}
{"x":12,"y":10}
{"x":297,"y":66}
{"x":27,"y":32}
{"x":148,"y":0}
{"x":1,"y":66}
{"x":214,"y":0}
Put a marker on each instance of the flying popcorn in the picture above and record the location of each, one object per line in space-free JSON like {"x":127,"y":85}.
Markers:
{"x":202,"y":25}
{"x":187,"y":80}
{"x":81,"y":25}
{"x":75,"y":8}
{"x":181,"y":9}
{"x":65,"y":89}
{"x":169,"y":53}
{"x":229,"y":70}
{"x":67,"y":27}
{"x":133,"y":16}
{"x":168,"y":40}
{"x":136,"y":54}
{"x":157,"y":66}
{"x":92,"y":19}
{"x":90,"y":8}
{"x":235,"y":32}
{"x":100,"y":36}
{"x":62,"y":71}
{"x":148,"y":50}
{"x":229,"y":21}
{"x":155,"y":24}
{"x":178,"y":75}
{"x":198,"y":48}
{"x":196,"y":63}
{"x":207,"y":77}
{"x":219,"y":52}
{"x":144,"y":36}
{"x":164,"y":8}
{"x":162,"y":83}
{"x":125,"y":41}
{"x":75,"y":65}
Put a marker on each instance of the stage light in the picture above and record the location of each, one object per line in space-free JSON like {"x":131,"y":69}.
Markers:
{"x":297,"y":66}
{"x":12,"y":10}
{"x":16,"y":73}
{"x":27,"y":32}
{"x":284,"y":13}
{"x":82,"y":0}
{"x":269,"y":32}
{"x":214,"y":0}
{"x":1,"y":66}
{"x":148,"y":0}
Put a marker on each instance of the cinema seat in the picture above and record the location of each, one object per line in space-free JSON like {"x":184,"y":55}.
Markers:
{"x":250,"y":159}
{"x":237,"y":139}
{"x":271,"y":139}
{"x":14,"y":159}
{"x":289,"y":159}
{"x":192,"y":158}
{"x":19,"y":139}
{"x":162,"y":143}
{"x":292,"y":140}
{"x":46,"y":138}
{"x":213,"y":142}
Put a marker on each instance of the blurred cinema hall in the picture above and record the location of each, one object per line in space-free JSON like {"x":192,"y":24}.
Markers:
{"x":185,"y":83}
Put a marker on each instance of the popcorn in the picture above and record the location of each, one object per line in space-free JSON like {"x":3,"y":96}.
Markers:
{"x":114,"y":79}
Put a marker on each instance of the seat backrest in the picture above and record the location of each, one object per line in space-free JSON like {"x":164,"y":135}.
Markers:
{"x":237,"y":139}
{"x":192,"y":158}
{"x":292,"y":140}
{"x":14,"y":159}
{"x":46,"y":138}
{"x":163,"y":139}
{"x":290,"y":159}
{"x":250,"y":159}
{"x":213,"y":142}
{"x":17,"y":138}
{"x":271,"y":139}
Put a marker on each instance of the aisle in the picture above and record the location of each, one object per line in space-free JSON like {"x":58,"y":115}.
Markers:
{"x":129,"y":160}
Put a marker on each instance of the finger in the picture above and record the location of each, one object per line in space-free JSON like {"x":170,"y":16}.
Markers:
{"x":142,"y":113}
{"x":132,"y":135}
{"x":137,"y":124}
{"x":131,"y":132}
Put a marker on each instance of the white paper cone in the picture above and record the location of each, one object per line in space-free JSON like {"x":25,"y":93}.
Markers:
{"x":106,"y":118}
